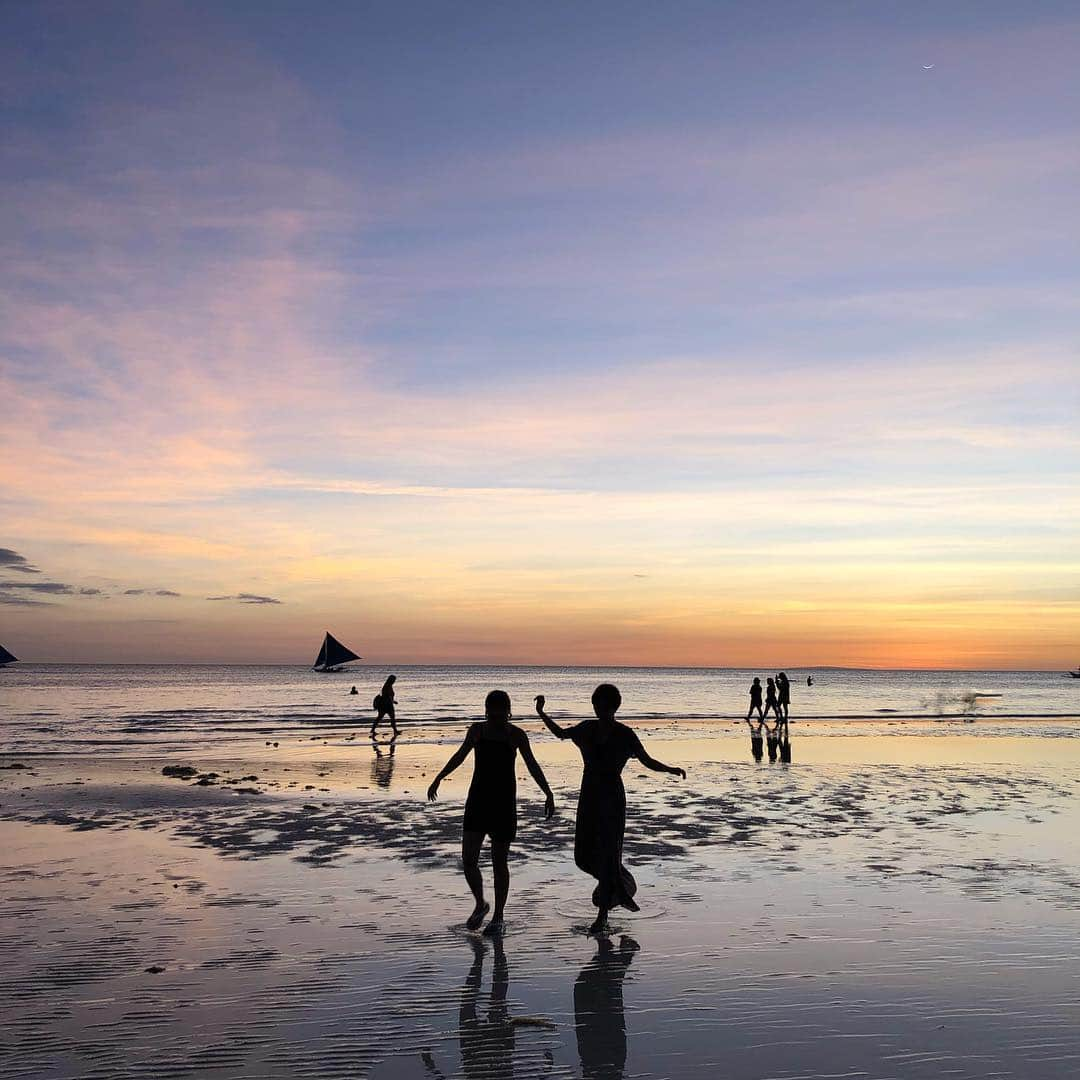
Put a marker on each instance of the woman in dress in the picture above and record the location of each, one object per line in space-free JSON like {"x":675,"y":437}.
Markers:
{"x":491,"y":806}
{"x":606,"y":746}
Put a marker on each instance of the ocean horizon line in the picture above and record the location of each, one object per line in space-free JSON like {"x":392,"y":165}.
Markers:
{"x":465,"y":666}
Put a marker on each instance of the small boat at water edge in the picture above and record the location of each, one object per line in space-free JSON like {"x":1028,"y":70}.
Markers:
{"x":332,"y":656}
{"x":7,"y":658}
{"x":1073,"y":674}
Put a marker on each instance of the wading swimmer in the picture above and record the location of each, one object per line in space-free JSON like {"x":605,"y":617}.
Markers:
{"x":491,"y":806}
{"x":606,"y":746}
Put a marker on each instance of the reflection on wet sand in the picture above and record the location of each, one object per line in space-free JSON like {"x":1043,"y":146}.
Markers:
{"x":382,"y":765}
{"x":487,"y":1039}
{"x":599,"y":1015}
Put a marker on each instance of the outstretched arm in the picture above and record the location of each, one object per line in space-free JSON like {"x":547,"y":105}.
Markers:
{"x":460,"y":754}
{"x":555,"y":729}
{"x":536,"y":773}
{"x":650,"y":762}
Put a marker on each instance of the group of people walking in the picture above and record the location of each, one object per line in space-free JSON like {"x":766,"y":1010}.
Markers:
{"x":606,"y":745}
{"x":777,"y":705}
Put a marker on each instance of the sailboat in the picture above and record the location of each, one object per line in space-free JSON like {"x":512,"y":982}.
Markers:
{"x":332,"y":655}
{"x":6,"y":657}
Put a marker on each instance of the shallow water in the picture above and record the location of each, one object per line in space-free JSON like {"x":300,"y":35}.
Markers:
{"x":53,"y":707}
{"x":884,"y":907}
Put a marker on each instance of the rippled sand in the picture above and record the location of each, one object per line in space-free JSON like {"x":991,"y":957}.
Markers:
{"x":902,"y":907}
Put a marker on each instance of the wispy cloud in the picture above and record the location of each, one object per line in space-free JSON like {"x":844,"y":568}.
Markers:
{"x":248,"y":598}
{"x":53,"y":588}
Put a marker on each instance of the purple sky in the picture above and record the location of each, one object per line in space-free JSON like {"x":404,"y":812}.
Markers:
{"x":690,"y":333}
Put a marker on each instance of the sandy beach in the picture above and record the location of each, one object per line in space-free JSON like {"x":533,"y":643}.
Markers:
{"x":885,"y":906}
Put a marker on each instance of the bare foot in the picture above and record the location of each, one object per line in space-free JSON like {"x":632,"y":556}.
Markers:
{"x":477,"y":917}
{"x":600,"y":926}
{"x":495,"y":927}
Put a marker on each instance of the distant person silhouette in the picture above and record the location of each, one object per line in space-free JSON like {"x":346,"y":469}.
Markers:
{"x":382,"y":766}
{"x":353,"y":692}
{"x":599,"y":1013}
{"x":384,"y":703}
{"x":771,"y":703}
{"x":491,"y":806}
{"x":783,"y":701}
{"x":756,"y":742}
{"x":809,"y":680}
{"x":606,"y":746}
{"x":755,"y":699}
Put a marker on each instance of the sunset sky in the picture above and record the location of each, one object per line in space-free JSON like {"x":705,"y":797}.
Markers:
{"x":635,"y":333}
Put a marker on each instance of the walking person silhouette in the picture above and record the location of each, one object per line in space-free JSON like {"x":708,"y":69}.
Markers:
{"x":783,"y":696}
{"x":772,"y":705}
{"x":755,"y":699}
{"x":491,"y":806}
{"x":384,"y":705}
{"x":606,"y":746}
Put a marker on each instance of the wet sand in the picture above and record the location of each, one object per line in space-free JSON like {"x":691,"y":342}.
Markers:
{"x":883,"y":907}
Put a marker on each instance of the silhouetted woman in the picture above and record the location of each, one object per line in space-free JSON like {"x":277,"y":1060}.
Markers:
{"x":755,"y":699}
{"x":606,"y":746}
{"x":783,"y":695}
{"x":384,"y":704}
{"x":772,"y":705}
{"x":491,"y":806}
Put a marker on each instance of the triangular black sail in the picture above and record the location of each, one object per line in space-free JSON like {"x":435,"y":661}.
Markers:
{"x":6,"y":657}
{"x":332,"y":654}
{"x":336,"y":653}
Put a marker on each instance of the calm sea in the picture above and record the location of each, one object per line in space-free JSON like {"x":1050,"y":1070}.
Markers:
{"x":62,"y":707}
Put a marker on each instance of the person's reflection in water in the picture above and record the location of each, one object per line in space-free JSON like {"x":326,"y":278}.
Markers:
{"x":487,"y":1042}
{"x":599,"y":1015}
{"x":756,"y":741}
{"x":785,"y":749}
{"x":382,"y":765}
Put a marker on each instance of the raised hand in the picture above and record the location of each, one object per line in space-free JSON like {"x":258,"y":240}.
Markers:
{"x":540,"y":702}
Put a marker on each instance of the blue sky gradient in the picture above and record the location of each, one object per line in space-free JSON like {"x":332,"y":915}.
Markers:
{"x":346,"y":304}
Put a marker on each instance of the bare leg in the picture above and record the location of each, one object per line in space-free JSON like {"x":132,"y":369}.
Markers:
{"x":500,"y":853}
{"x":471,"y":843}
